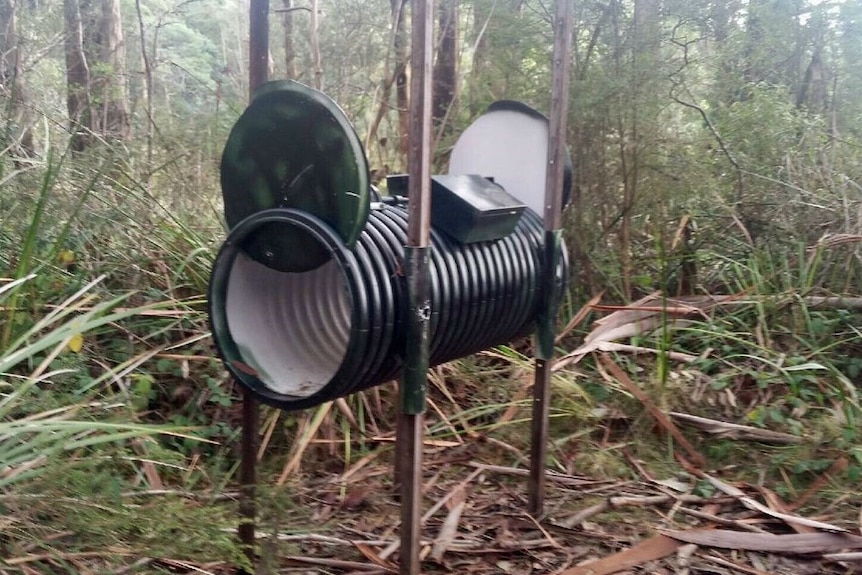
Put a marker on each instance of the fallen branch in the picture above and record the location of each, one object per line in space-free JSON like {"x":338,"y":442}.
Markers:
{"x":736,"y":431}
{"x":560,"y":478}
{"x":794,"y":544}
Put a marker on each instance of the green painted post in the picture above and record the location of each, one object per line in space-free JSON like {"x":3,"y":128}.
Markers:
{"x":415,"y":377}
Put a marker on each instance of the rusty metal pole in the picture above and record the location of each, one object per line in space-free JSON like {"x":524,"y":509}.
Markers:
{"x":258,"y":71}
{"x":411,"y":419}
{"x":563,"y":25}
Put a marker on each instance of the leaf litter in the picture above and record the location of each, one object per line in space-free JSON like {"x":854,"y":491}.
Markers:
{"x":476,"y":523}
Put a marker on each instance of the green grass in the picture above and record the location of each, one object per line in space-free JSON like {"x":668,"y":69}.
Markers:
{"x":97,"y":312}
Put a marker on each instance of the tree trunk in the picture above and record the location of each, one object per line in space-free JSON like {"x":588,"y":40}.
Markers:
{"x":148,"y":85}
{"x":109,"y":85}
{"x":17,"y":133}
{"x":315,"y":45}
{"x":446,"y":66}
{"x":289,"y":48}
{"x":401,"y":96}
{"x":77,"y":77}
{"x":481,"y":61}
{"x":643,"y":59}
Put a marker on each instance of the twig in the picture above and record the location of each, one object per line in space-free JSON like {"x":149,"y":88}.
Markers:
{"x":734,"y":565}
{"x":625,"y":501}
{"x":452,"y":493}
{"x":736,"y":431}
{"x":722,"y":520}
{"x":338,"y":563}
{"x":551,"y":475}
{"x":849,"y":556}
{"x":544,"y":531}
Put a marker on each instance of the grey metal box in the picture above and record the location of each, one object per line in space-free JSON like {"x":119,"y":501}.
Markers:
{"x":468,"y":208}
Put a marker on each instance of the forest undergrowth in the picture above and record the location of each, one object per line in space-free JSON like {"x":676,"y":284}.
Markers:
{"x":119,"y":427}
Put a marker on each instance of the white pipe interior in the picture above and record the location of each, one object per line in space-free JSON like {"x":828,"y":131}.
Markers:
{"x":292,"y":329}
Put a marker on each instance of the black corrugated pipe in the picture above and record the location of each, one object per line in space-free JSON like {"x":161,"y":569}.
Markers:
{"x":299,"y":339}
{"x":308,"y":298}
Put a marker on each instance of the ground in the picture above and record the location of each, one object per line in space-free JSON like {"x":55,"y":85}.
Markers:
{"x":326,"y":516}
{"x":475,"y":521}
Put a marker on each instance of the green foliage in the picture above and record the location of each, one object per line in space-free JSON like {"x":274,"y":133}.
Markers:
{"x":35,"y":344}
{"x":80,"y":370}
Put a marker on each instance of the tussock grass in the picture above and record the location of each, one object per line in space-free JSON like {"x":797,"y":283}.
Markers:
{"x":780,"y":353}
{"x":102,"y":323}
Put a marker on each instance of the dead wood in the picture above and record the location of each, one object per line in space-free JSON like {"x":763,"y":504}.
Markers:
{"x":794,"y":544}
{"x":735,"y":431}
{"x":625,"y":501}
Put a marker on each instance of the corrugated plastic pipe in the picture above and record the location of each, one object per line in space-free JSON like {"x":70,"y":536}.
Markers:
{"x":299,"y":339}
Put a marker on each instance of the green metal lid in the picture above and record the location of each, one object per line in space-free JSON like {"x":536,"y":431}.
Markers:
{"x":293,"y":147}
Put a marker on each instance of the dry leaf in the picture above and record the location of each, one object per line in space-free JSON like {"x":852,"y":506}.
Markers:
{"x":356,"y":498}
{"x":653,"y":548}
{"x":728,"y":489}
{"x":449,"y":529}
{"x":372,"y":556}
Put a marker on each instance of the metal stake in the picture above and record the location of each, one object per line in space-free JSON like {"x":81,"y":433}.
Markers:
{"x":412,"y":390}
{"x":248,"y":476}
{"x":563,"y":25}
{"x":258,"y":60}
